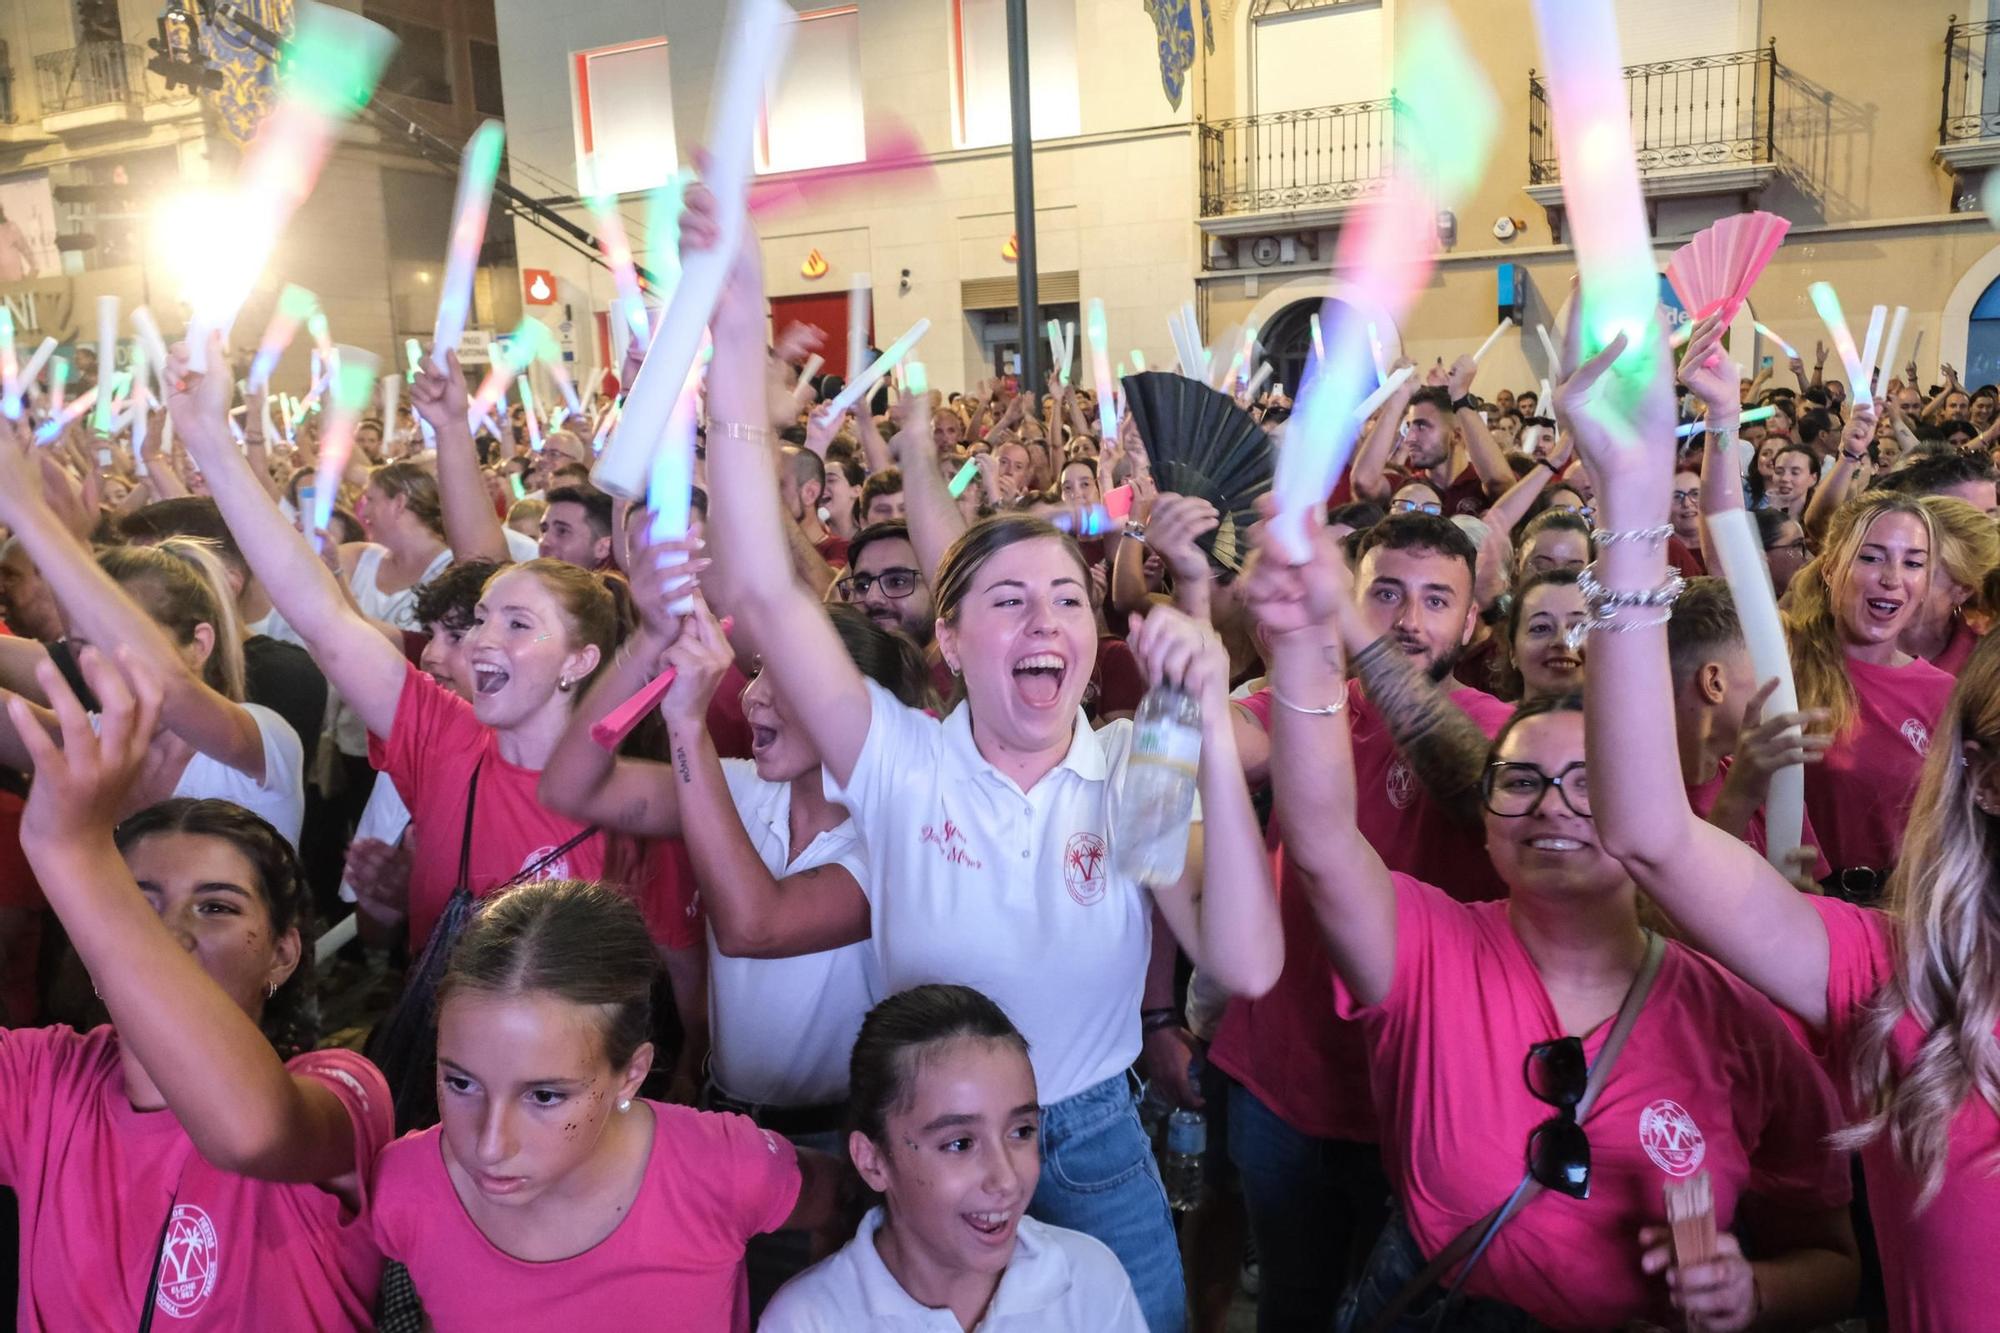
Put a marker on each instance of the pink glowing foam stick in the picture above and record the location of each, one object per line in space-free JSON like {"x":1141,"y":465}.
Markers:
{"x":1827,"y":303}
{"x":478,"y":166}
{"x":352,"y":390}
{"x":609,"y":730}
{"x":759,"y":32}
{"x":630,"y":305}
{"x":894,"y":153}
{"x":335,"y":59}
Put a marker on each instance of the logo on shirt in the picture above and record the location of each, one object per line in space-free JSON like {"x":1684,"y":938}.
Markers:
{"x":1918,"y":735}
{"x":1402,"y":784}
{"x":1671,"y":1138}
{"x":950,"y":842}
{"x":1083,"y":868}
{"x":190,"y":1259}
{"x":556,"y":869}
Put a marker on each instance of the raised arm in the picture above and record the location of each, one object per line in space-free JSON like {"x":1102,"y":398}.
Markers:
{"x":933,"y":516}
{"x":1223,"y":910}
{"x":360,"y":663}
{"x":754,"y":913}
{"x":100,"y":612}
{"x":1732,"y":904}
{"x":1486,"y":456}
{"x":1835,"y":487}
{"x":1507,"y":512}
{"x":256,"y":441}
{"x":225,"y":1084}
{"x":471,"y":528}
{"x":1368,"y":481}
{"x":1312,"y":762}
{"x":876,"y":455}
{"x":784,"y":623}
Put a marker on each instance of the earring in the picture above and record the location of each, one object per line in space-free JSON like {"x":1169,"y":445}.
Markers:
{"x":563,"y":685}
{"x":271,"y":991}
{"x":624,"y":1104}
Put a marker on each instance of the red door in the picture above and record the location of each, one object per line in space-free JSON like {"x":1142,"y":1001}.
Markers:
{"x":828,"y":310}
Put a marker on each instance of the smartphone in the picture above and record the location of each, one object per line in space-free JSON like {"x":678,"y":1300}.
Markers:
{"x":1769,"y":361}
{"x":65,"y":660}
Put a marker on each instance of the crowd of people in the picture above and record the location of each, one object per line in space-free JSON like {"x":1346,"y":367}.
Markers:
{"x":822,"y":998}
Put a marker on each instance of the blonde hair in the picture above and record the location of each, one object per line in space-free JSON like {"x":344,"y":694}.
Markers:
{"x":181,"y":584}
{"x":417,"y":487}
{"x":1945,"y":901}
{"x":1812,"y":620}
{"x":1968,"y":546}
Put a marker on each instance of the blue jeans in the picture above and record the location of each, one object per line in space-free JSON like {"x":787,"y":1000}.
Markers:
{"x":1315,"y":1206}
{"x":1099,"y":1177}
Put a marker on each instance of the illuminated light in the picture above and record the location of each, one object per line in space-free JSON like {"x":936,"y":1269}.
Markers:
{"x":478,"y":166}
{"x":1011,"y":251}
{"x":815,"y":266}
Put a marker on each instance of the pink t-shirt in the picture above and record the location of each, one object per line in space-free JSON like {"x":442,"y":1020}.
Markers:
{"x":97,"y":1179}
{"x":1710,"y":1078}
{"x":431,"y":754}
{"x":1702,"y":797}
{"x":712,"y":1182}
{"x":1289,"y":1048}
{"x":1958,"y":648}
{"x":1938,"y":1263}
{"x":1858,"y":797}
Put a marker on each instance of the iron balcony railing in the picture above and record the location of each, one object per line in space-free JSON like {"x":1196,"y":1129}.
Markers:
{"x":95,"y":74}
{"x":1700,"y":111}
{"x":1285,"y":160}
{"x":1971,"y":99}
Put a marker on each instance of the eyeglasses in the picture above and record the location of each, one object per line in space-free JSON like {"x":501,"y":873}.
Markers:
{"x":1414,"y":507}
{"x":1514,"y":791}
{"x":1687,"y":497}
{"x":896,"y":584}
{"x":1796,"y":544}
{"x":1558,"y":1149}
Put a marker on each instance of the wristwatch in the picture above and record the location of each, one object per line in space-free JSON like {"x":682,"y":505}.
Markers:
{"x":1461,"y":404}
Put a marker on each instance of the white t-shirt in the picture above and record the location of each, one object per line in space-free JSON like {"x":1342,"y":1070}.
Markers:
{"x":782,"y":1028}
{"x":280,"y":798}
{"x":1059,"y":1281}
{"x":384,"y":818}
{"x":973,"y":881}
{"x":521,"y":548}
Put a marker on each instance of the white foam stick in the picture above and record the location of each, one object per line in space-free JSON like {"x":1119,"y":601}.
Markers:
{"x":149,"y":338}
{"x":1382,"y":392}
{"x":1892,"y":342}
{"x":857,"y":389}
{"x":860,"y":304}
{"x":1545,"y":403}
{"x":335,"y":939}
{"x":1069,"y":350}
{"x":1916,"y":347}
{"x":1375,"y":348}
{"x":1791,"y":352}
{"x":1548,"y":348}
{"x":1179,"y":340}
{"x":392,"y":390}
{"x":478,"y":165}
{"x":811,"y":368}
{"x":753,"y":51}
{"x":1870,"y":346}
{"x":107,"y":356}
{"x":24,"y":382}
{"x":1734,"y":538}
{"x":1492,"y":338}
{"x":671,"y":485}
{"x":1257,"y":381}
{"x":1193,"y":326}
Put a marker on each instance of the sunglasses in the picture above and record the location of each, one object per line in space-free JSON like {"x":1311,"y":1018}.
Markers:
{"x":1515,"y":791}
{"x":1414,"y":507}
{"x":1558,"y":1149}
{"x":896,"y":584}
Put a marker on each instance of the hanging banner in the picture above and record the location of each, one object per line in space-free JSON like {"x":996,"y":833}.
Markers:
{"x":249,"y":76}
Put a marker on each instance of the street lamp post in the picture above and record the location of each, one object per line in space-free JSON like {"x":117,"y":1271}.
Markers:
{"x":1024,"y":195}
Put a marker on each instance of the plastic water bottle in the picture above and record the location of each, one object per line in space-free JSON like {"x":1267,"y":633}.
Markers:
{"x":1156,"y":796}
{"x":1187,"y":1140}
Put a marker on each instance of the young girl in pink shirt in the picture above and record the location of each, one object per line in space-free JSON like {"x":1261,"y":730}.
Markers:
{"x":173,"y":1170}
{"x":1904,"y":1003}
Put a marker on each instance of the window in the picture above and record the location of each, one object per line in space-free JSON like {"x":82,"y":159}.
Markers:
{"x":486,"y":79}
{"x":981,"y":113}
{"x":1320,"y":57}
{"x":421,"y":66}
{"x":812,"y":110}
{"x":624,"y":114}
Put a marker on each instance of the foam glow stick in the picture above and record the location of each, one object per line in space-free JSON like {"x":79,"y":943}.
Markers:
{"x":1056,"y":345}
{"x":1368,"y":406}
{"x":1546,"y":402}
{"x":148,"y":330}
{"x":26,"y":379}
{"x":1138,"y":362}
{"x":1548,"y":348}
{"x":806,"y":373}
{"x":858,"y":389}
{"x":58,"y":383}
{"x":963,"y":478}
{"x":1827,"y":303}
{"x":353,"y":385}
{"x":1869,"y":348}
{"x":1734,"y":538}
{"x":759,"y":33}
{"x":1069,"y":350}
{"x":392,"y":391}
{"x":629,"y":305}
{"x":322,"y":336}
{"x":333,"y":61}
{"x":413,"y":354}
{"x":671,"y":487}
{"x":285,"y":413}
{"x":617,"y":724}
{"x":1375,"y":349}
{"x":1918,"y":345}
{"x":1257,"y":381}
{"x":138,"y":409}
{"x":60,"y":421}
{"x":294,"y":304}
{"x":1319,"y":339}
{"x":610,"y":419}
{"x":528,"y":409}
{"x":10,"y":366}
{"x":1492,"y":338}
{"x":860,"y":307}
{"x":1755,"y":414}
{"x":1791,"y":352}
{"x":478,"y":165}
{"x":1098,"y":329}
{"x":1894,"y":341}
{"x":107,"y":358}
{"x":893,"y":151}
{"x":1614,"y":249}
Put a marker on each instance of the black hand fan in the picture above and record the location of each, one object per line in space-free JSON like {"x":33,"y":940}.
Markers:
{"x":1201,"y":443}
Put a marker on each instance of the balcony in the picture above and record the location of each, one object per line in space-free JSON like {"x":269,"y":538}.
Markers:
{"x":1303,"y":168}
{"x":1700,"y":126}
{"x":1969,"y":123}
{"x":85,"y":87}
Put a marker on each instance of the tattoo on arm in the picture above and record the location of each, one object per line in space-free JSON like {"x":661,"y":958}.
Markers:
{"x":681,"y":764}
{"x":1446,"y":748}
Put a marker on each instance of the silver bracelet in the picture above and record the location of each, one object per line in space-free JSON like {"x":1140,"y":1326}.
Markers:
{"x":1330,"y":710}
{"x":1653,"y":536}
{"x":1608,"y":605}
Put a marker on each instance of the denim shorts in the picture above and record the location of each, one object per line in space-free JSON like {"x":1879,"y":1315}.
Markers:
{"x":1099,"y":1177}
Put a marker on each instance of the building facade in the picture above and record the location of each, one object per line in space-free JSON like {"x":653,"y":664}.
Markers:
{"x":99,"y":159}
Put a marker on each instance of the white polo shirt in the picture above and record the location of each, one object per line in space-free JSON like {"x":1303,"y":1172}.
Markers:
{"x":782,"y":1028}
{"x":975,"y":882}
{"x":1059,"y":1281}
